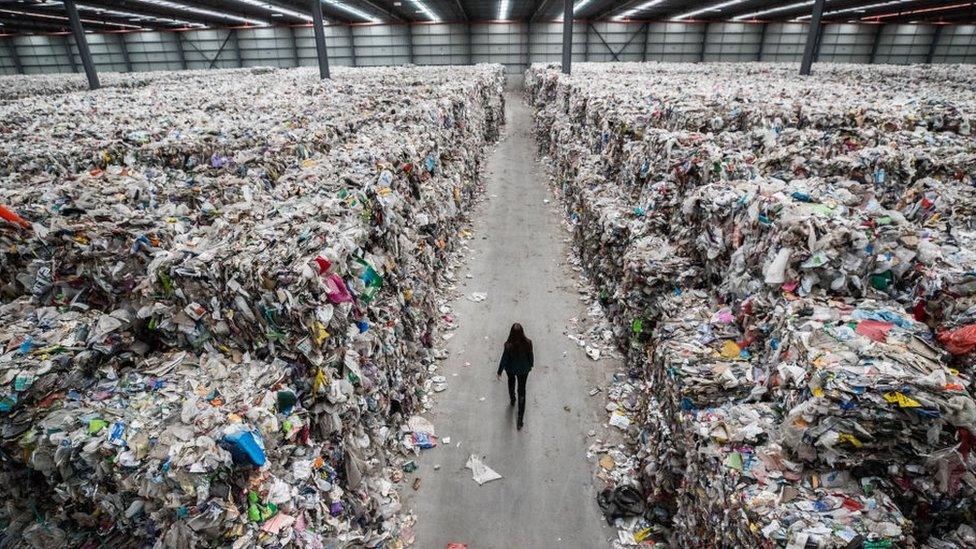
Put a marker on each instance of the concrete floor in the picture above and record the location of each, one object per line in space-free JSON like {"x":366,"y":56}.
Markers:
{"x":546,"y":497}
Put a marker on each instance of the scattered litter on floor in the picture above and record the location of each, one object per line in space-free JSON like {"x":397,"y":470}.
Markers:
{"x":480,"y":472}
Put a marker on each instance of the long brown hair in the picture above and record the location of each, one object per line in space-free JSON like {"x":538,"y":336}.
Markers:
{"x":517,"y":344}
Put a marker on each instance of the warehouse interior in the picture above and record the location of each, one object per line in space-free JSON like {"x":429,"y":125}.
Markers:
{"x":488,"y":274}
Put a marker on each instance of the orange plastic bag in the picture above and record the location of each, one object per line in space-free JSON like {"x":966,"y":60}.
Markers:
{"x":11,"y":216}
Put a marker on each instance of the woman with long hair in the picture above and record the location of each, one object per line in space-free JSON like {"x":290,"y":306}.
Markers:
{"x":516,"y":362}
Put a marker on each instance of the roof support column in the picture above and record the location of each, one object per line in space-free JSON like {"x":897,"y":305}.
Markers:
{"x":647,"y":31}
{"x":294,"y":46}
{"x":567,"y":36}
{"x":14,"y":56}
{"x":352,"y":46}
{"x":237,"y":47}
{"x":320,"y":50}
{"x":935,"y":43}
{"x":470,"y":46}
{"x":762,"y":41}
{"x":586,"y":43}
{"x":180,"y":50}
{"x":125,"y":52}
{"x":528,"y":43}
{"x":410,"y":41}
{"x":71,"y":55}
{"x":82,"y":42}
{"x":809,"y":50}
{"x":874,"y":45}
{"x":701,"y":50}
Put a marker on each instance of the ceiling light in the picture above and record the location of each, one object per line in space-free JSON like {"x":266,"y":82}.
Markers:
{"x":352,"y":11}
{"x":132,"y":16}
{"x":200,"y":11}
{"x":277,"y":11}
{"x":578,"y":6}
{"x":422,"y":8}
{"x":503,"y":10}
{"x":635,"y":10}
{"x":857,"y":8}
{"x":755,"y":14}
{"x":707,"y":9}
{"x":62,"y":18}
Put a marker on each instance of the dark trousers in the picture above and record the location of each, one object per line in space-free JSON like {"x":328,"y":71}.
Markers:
{"x":521,"y":378}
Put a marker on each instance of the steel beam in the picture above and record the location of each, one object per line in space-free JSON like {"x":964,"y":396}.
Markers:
{"x":125,"y":52}
{"x":809,"y":50}
{"x":762,"y":41}
{"x":294,"y":46}
{"x":567,"y":36}
{"x":237,"y":48}
{"x":935,"y":43}
{"x":82,"y":42}
{"x":600,"y":36}
{"x":470,"y":47}
{"x":410,"y":42}
{"x":539,"y":10}
{"x":701,"y":50}
{"x":14,"y":56}
{"x":874,"y":45}
{"x":320,"y":49}
{"x":71,"y":55}
{"x":586,"y":43}
{"x":180,"y":50}
{"x":352,"y":46}
{"x":816,"y":49}
{"x":528,"y":43}
{"x":647,"y":32}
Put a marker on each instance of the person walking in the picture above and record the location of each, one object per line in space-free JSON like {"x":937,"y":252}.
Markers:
{"x":516,"y":362}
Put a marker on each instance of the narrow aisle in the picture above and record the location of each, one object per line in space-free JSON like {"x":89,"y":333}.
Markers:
{"x":546,"y":496}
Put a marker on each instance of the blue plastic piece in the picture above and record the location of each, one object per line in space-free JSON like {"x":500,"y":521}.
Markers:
{"x":245,"y":447}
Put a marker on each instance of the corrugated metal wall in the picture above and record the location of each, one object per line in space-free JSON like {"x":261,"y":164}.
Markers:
{"x":513,"y":44}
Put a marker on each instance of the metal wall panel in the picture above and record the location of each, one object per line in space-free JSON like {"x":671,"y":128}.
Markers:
{"x":732,"y":42}
{"x":501,"y":42}
{"x":904,"y":44}
{"x":957,"y":44}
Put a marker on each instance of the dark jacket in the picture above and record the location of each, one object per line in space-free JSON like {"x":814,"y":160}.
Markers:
{"x":514,"y":362}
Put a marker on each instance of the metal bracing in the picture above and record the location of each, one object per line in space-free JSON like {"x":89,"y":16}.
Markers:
{"x":874,"y":45}
{"x":809,"y":50}
{"x":180,"y":50}
{"x":567,"y":36}
{"x":616,"y":54}
{"x":220,"y":50}
{"x":647,"y":30}
{"x":586,"y":42}
{"x":320,"y":49}
{"x":762,"y":41}
{"x":470,"y":47}
{"x":82,"y":42}
{"x":294,"y":46}
{"x":71,"y":55}
{"x":704,"y":40}
{"x":124,"y":46}
{"x":410,"y":42}
{"x":352,"y":46}
{"x":528,"y":43}
{"x":14,"y":56}
{"x":934,"y":44}
{"x":237,"y":48}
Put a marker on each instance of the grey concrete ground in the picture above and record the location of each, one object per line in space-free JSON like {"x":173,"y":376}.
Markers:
{"x":546,"y":497}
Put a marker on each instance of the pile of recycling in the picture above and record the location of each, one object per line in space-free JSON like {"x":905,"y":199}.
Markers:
{"x":19,"y":86}
{"x":789,"y":266}
{"x":219,"y":302}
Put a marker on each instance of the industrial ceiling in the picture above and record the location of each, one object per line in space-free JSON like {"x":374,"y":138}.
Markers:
{"x":38,"y":16}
